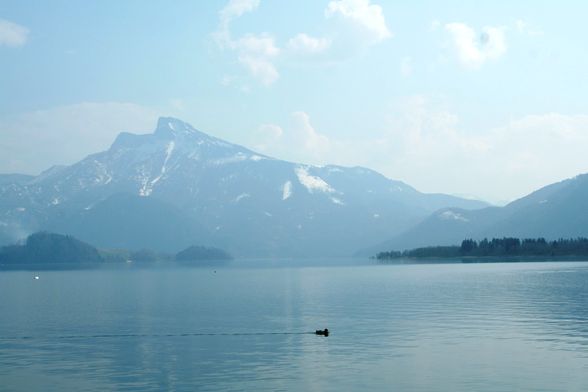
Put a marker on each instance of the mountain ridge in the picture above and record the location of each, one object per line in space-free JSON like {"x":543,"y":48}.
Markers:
{"x":248,"y":203}
{"x":558,"y":210}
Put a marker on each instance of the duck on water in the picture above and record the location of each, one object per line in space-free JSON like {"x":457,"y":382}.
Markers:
{"x":322,"y":332}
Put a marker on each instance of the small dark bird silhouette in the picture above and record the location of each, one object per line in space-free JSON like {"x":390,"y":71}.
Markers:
{"x":324,"y":332}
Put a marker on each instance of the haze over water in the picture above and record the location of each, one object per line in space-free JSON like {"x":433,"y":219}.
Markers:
{"x":443,"y":327}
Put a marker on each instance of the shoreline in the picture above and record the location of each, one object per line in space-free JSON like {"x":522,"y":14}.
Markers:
{"x":480,"y":259}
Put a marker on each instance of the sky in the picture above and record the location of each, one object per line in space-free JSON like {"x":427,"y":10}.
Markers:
{"x":481,"y":99}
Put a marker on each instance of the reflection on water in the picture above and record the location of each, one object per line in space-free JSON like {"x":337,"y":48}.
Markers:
{"x":484,"y":327}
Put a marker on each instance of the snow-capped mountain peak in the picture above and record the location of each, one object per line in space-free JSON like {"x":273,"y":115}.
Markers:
{"x":169,"y":127}
{"x":251,"y":203}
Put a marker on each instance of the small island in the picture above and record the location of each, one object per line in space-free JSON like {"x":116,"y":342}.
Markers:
{"x":50,"y":248}
{"x":497,"y":249}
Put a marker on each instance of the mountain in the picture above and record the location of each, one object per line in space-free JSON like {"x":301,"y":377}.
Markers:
{"x":133,"y":222}
{"x":6,"y":179}
{"x":178,"y":186}
{"x":556,"y":211}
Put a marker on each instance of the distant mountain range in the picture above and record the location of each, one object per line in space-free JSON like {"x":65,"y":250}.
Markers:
{"x":178,"y":187}
{"x":556,"y":211}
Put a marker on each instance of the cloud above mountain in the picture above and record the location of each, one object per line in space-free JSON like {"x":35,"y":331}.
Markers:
{"x":12,"y":34}
{"x":504,"y":162}
{"x":361,"y":23}
{"x":425,"y":142}
{"x":303,"y":43}
{"x":299,"y":136}
{"x":367,"y":17}
{"x":255,"y":52}
{"x":474,"y":48}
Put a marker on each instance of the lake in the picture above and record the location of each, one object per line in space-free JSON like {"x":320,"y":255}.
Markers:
{"x":426,"y":327}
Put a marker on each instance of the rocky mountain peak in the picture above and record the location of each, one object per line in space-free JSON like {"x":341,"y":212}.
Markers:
{"x":170,"y":126}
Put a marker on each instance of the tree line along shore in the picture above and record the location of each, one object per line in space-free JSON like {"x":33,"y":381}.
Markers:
{"x":50,"y":248}
{"x":497,"y":248}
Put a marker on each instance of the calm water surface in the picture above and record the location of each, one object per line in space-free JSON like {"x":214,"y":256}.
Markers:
{"x":442,"y":327}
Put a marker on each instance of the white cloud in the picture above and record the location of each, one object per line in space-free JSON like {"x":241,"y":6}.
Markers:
{"x":236,"y":8}
{"x":299,"y":141}
{"x":303,"y":43}
{"x":474,"y":49}
{"x":259,"y":53}
{"x":12,"y":34}
{"x":270,"y":131}
{"x":233,"y":10}
{"x":314,"y":142}
{"x":257,"y":45}
{"x":267,"y":136}
{"x":34,"y":141}
{"x":426,"y":146}
{"x":366,"y":16}
{"x":256,"y":53}
{"x":545,"y":143}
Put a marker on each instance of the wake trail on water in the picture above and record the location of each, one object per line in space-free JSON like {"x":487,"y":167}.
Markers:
{"x":150,"y":335}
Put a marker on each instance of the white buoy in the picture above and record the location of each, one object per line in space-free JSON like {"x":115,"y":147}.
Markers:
{"x":36,"y":277}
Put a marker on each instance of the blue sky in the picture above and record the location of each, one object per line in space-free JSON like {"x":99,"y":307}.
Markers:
{"x":473,"y":98}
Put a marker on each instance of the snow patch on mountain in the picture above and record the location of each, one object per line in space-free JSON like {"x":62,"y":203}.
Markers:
{"x":147,"y":187}
{"x":103,"y":177}
{"x":312,"y":183}
{"x":287,"y":190}
{"x":337,"y":201}
{"x":239,"y":157}
{"x":452,"y":215}
{"x":144,"y":180}
{"x":241,"y":197}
